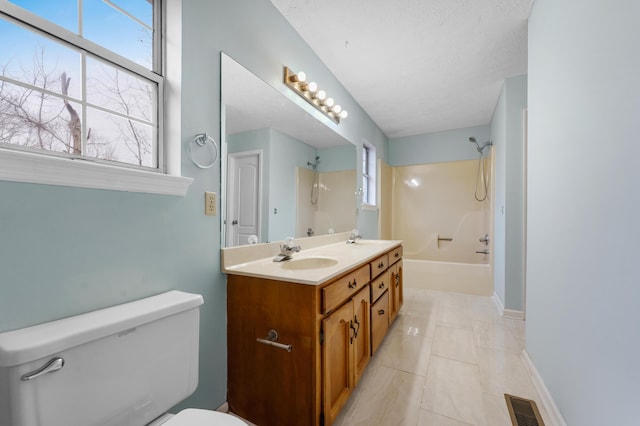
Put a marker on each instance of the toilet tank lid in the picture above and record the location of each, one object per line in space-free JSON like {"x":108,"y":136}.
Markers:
{"x":32,"y":343}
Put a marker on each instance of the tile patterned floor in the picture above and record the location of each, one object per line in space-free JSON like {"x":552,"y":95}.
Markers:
{"x":447,"y":360}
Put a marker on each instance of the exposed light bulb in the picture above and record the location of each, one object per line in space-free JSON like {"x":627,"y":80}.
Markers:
{"x":299,"y":77}
{"x":312,"y":87}
{"x":329,"y":102}
{"x":321,"y":95}
{"x":336,"y":108}
{"x":344,"y":113}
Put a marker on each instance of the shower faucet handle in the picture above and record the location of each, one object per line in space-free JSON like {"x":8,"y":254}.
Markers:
{"x":485,"y":239}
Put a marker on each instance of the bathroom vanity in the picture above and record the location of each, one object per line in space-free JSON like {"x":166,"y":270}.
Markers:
{"x":329,"y":308}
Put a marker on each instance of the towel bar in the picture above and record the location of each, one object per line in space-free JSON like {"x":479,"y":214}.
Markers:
{"x":272,"y":336}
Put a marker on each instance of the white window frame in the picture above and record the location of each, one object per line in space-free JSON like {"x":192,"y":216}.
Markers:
{"x":369,"y":158}
{"x":43,"y":168}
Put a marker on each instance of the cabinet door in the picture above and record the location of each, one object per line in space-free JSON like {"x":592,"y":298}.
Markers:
{"x":396,"y":290}
{"x":362,"y":341}
{"x":379,"y":320}
{"x":337,"y":359}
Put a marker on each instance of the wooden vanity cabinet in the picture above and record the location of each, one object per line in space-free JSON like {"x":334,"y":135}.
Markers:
{"x":345,"y":351}
{"x":396,"y":289}
{"x":386,"y":294}
{"x":379,"y":265}
{"x":379,"y":321}
{"x":268,"y":385}
{"x":330,"y":328}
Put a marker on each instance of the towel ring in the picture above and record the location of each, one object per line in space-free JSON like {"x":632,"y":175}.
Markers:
{"x":201,"y":140}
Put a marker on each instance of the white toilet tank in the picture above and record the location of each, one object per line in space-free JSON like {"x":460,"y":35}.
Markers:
{"x":121,"y":366}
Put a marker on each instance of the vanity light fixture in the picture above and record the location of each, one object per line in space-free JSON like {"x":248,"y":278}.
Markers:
{"x":311,"y":93}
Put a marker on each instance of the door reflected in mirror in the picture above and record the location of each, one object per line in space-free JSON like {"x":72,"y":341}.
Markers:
{"x":284,"y":172}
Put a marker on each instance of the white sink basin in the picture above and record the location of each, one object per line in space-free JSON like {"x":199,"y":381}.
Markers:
{"x":366,"y":243}
{"x":315,"y":262}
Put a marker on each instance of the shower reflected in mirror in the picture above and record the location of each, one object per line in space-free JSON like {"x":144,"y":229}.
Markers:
{"x":284,"y":172}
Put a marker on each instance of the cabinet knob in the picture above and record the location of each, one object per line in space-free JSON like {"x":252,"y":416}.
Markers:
{"x":397,"y":254}
{"x":381,"y":285}
{"x":353,"y":285}
{"x":381,"y":312}
{"x":380,"y":265}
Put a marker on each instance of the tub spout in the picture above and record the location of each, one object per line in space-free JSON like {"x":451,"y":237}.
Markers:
{"x":485,"y":251}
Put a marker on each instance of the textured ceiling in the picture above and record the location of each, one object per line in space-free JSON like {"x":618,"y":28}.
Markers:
{"x":417,"y":66}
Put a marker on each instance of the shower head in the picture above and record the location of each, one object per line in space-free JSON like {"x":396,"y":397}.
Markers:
{"x":479,"y":147}
{"x":315,"y":163}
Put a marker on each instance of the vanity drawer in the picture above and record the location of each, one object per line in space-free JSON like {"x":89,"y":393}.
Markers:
{"x":379,"y":321}
{"x":379,"y":285}
{"x":379,"y":265}
{"x":340,"y":290}
{"x":395,"y":255}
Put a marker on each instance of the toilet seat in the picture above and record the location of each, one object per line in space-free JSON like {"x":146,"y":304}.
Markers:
{"x":197,"y":417}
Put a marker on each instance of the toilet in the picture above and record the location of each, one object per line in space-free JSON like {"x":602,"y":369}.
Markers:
{"x":120,"y":366}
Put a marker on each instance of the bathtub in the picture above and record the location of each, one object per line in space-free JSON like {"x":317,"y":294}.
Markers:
{"x":470,"y":278}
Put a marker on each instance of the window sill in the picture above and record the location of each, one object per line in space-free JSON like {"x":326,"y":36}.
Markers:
{"x":18,"y":166}
{"x":369,"y":207}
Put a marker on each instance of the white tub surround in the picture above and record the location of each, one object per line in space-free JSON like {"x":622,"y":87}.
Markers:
{"x":467,"y":278}
{"x":257,"y":260}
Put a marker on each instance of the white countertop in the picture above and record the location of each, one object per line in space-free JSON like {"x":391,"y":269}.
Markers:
{"x":340,"y":258}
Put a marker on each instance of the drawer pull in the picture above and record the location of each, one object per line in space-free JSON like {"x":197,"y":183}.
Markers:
{"x":381,"y":312}
{"x":355,"y":320}
{"x":380,"y":265}
{"x":353,"y":285}
{"x":397,"y":254}
{"x":381,"y":286}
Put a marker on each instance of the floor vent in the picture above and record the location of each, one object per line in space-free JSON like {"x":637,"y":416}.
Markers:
{"x":523,"y":412}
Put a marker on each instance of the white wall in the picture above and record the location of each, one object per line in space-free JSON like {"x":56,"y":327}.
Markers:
{"x":583,"y":281}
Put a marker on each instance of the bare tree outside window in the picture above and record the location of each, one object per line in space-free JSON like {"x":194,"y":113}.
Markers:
{"x":30,"y":117}
{"x":35,"y":117}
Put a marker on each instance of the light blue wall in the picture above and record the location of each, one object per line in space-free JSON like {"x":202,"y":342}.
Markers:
{"x":499,"y":138}
{"x":583,"y":202}
{"x":507,"y":133}
{"x":516,"y":89}
{"x":437,"y":147}
{"x":287,"y":153}
{"x":337,"y":158}
{"x":64,"y":251}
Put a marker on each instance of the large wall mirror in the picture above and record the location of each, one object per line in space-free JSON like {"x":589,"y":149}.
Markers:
{"x":284,"y":172}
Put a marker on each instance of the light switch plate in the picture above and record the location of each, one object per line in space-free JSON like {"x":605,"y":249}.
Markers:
{"x":210,"y":204}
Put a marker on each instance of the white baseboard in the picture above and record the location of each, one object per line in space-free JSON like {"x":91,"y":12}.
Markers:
{"x":498,"y":302}
{"x":551,"y":409}
{"x":507,"y":313}
{"x":510,"y":313}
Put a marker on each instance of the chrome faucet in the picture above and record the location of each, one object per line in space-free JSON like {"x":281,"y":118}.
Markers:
{"x":485,"y":240}
{"x":355,"y":234}
{"x":286,"y":250}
